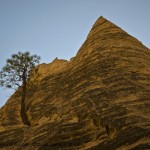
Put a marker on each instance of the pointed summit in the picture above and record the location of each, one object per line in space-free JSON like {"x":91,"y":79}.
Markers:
{"x":101,"y":19}
{"x":106,"y":35}
{"x":102,"y":24}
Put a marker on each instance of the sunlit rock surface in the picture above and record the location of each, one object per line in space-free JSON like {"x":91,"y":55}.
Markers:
{"x":99,"y":100}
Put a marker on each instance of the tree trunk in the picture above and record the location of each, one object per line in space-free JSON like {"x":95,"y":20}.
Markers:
{"x":23,"y":108}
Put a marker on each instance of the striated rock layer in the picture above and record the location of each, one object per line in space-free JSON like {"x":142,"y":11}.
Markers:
{"x":99,"y":100}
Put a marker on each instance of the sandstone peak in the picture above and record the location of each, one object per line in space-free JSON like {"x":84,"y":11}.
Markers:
{"x":105,"y":36}
{"x":101,"y":19}
{"x":98,"y":100}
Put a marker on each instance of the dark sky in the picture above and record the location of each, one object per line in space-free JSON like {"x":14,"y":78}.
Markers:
{"x":58,"y":28}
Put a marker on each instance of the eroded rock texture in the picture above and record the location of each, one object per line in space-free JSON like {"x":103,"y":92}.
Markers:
{"x":99,"y":100}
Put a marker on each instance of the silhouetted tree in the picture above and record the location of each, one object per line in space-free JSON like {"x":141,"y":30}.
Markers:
{"x":15,"y":74}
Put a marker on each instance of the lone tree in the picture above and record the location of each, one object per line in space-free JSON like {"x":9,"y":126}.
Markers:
{"x":15,"y":74}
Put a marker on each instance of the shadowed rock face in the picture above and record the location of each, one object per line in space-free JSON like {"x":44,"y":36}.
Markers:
{"x":99,"y":100}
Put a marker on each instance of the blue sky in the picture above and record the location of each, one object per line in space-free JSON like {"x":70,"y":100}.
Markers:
{"x":58,"y":28}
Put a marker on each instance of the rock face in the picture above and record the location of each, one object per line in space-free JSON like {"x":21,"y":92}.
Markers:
{"x":99,"y":100}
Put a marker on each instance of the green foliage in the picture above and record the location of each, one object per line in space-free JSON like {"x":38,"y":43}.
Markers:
{"x":17,"y":66}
